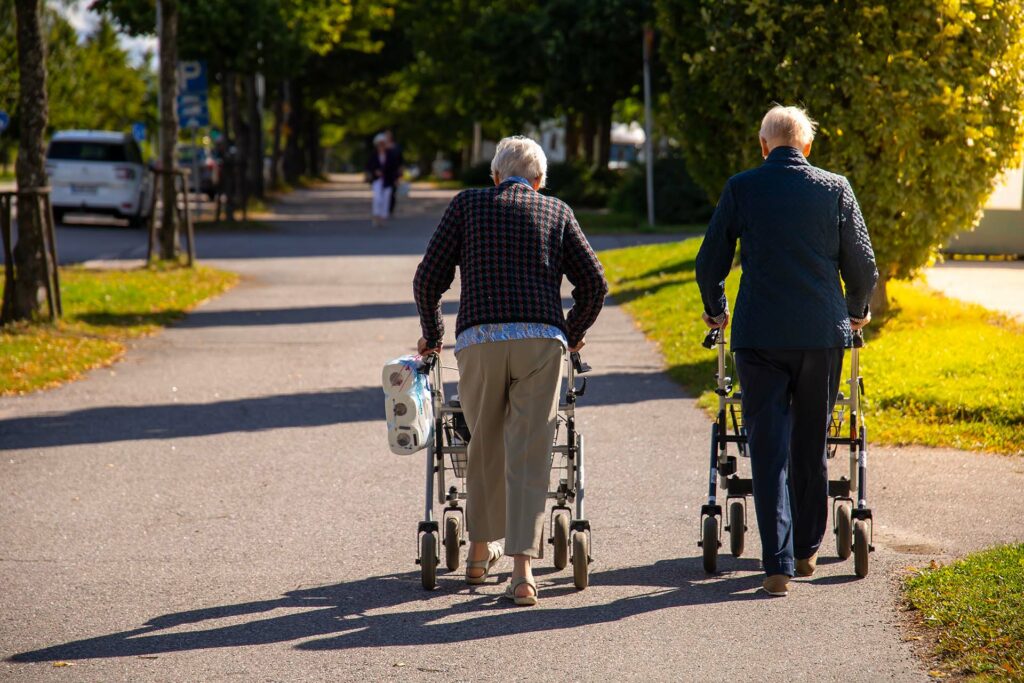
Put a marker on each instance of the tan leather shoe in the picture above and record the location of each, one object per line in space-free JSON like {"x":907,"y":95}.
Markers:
{"x":777,"y":585}
{"x":807,"y":567}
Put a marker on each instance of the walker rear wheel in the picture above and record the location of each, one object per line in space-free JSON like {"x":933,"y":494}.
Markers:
{"x":428,"y":560}
{"x":580,"y":560}
{"x":452,"y":542}
{"x":709,"y":541}
{"x":844,"y":532}
{"x":861,"y":548}
{"x":737,"y":526}
{"x":561,"y":540}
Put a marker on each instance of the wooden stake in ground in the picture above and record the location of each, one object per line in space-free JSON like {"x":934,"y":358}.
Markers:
{"x":168,"y":27}
{"x":33,"y":112}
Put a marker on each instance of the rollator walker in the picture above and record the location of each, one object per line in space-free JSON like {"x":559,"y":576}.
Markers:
{"x":446,"y":452}
{"x":852,"y":524}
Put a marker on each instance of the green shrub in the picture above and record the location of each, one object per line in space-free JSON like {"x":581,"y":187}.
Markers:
{"x":578,"y":184}
{"x":477,"y":175}
{"x":920,"y":104}
{"x":677,"y":198}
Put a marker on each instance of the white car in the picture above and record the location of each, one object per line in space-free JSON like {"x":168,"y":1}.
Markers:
{"x":95,"y":171}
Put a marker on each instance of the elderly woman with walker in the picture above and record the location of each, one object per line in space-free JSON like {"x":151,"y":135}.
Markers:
{"x":512,"y":246}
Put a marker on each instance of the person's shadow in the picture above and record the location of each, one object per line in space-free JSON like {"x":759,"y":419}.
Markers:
{"x":346,"y":615}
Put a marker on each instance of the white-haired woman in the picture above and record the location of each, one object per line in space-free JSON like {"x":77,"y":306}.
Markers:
{"x":383,"y":170}
{"x":512,"y":246}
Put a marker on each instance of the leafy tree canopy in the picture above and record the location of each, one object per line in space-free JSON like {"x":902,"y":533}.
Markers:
{"x":920,"y":104}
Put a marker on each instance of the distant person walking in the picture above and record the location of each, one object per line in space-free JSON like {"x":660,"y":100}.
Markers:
{"x":382,"y":169}
{"x":396,"y":150}
{"x":801,"y":229}
{"x":512,"y":246}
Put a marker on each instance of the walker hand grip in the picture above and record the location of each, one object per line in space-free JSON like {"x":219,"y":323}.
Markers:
{"x":712,"y":337}
{"x":578,"y":363}
{"x":858,"y":339}
{"x":428,"y":363}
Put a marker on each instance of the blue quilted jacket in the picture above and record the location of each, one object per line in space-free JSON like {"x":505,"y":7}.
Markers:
{"x":800,"y":230}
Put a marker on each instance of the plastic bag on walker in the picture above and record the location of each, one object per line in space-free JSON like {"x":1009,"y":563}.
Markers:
{"x":407,"y":405}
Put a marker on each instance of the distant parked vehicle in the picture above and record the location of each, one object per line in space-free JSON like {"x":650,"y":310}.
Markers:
{"x":98,"y":172}
{"x":209,"y":169}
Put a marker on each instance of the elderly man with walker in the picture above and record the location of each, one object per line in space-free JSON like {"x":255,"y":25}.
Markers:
{"x":801,"y":229}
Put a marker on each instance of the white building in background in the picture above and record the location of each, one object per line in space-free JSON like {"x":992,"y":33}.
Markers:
{"x":1001,"y":230}
{"x":627,"y":142}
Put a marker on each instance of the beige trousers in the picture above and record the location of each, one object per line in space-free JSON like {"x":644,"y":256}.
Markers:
{"x":509,"y":394}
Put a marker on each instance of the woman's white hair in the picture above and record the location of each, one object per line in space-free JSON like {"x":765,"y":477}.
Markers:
{"x":379,"y":139}
{"x":789,"y":126}
{"x":521,"y":156}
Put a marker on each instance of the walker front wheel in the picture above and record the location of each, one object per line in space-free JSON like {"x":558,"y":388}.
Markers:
{"x":580,"y":560}
{"x":428,"y":560}
{"x":709,"y":541}
{"x":452,"y":542}
{"x":861,"y":548}
{"x":844,"y":532}
{"x":560,"y":537}
{"x":737,"y":527}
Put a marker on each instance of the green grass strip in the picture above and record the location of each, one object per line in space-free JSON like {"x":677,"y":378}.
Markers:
{"x":102,"y":309}
{"x":977,"y":607}
{"x":937,"y":371}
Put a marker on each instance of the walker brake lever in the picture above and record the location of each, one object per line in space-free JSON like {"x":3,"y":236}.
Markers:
{"x":711,"y":338}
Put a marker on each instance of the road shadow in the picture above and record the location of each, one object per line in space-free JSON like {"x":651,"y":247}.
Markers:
{"x":298,"y":315}
{"x":178,"y":420}
{"x":349,"y":615}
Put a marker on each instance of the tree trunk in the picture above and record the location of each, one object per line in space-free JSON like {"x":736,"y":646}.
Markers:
{"x":293,"y":156}
{"x":254,"y":101}
{"x":279,"y":114}
{"x":168,"y":237}
{"x":880,"y":298}
{"x":589,"y":134}
{"x":604,"y":138}
{"x":30,"y":168}
{"x":572,"y":138}
{"x":314,"y":154}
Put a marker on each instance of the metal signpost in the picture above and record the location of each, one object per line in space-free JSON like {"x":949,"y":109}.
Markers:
{"x":193,"y":111}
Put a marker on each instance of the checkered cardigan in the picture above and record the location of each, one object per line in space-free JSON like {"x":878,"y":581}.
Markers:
{"x":512,"y":245}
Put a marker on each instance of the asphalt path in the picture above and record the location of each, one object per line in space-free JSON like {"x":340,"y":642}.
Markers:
{"x":221,"y":504}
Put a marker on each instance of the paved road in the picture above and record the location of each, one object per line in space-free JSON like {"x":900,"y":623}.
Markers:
{"x":222,"y":505}
{"x":998,"y":285}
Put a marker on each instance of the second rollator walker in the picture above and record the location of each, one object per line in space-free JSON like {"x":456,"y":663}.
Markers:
{"x":852,"y":523}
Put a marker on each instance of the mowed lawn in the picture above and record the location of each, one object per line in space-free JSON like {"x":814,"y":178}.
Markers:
{"x":937,"y":372}
{"x":102,"y":310}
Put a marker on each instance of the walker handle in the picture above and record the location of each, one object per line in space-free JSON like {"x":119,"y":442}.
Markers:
{"x":712,"y":337}
{"x":578,"y":363}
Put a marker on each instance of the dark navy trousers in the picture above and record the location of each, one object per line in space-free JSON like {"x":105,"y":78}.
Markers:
{"x":787,"y":401}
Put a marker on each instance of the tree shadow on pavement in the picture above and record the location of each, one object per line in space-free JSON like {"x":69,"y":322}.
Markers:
{"x":178,"y":420}
{"x":306,"y":315}
{"x":348,"y":615}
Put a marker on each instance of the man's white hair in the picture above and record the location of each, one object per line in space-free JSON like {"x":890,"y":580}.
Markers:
{"x":519,"y":156}
{"x":789,"y":126}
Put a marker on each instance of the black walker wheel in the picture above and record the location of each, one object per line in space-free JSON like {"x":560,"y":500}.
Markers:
{"x":428,"y":560}
{"x":737,"y":527}
{"x":709,"y":541}
{"x":452,"y":542}
{"x":560,"y":534}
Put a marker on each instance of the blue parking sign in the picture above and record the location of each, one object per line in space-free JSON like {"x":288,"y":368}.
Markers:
{"x":192,"y":77}
{"x":138,"y":131}
{"x":193,"y":110}
{"x":5,"y":120}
